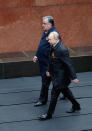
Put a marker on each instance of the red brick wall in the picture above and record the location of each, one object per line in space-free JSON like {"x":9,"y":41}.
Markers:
{"x":20,"y":22}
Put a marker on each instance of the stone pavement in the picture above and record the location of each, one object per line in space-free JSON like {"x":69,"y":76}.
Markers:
{"x":17,"y":111}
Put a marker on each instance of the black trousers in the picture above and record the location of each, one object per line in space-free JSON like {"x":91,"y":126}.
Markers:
{"x":54,"y":96}
{"x":44,"y":89}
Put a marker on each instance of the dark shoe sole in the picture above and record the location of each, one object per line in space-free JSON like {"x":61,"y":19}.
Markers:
{"x":73,"y":111}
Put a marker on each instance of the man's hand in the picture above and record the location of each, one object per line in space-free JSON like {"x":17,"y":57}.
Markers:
{"x":47,"y":74}
{"x":35,"y":59}
{"x":75,"y":81}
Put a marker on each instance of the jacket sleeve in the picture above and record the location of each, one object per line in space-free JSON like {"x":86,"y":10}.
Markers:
{"x":65,"y":59}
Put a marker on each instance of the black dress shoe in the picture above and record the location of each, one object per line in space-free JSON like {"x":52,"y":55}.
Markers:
{"x":39,"y":103}
{"x":45,"y":117}
{"x":74,"y":109}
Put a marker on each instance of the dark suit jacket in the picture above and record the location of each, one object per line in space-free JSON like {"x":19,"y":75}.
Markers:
{"x":43,"y":52}
{"x":60,"y":65}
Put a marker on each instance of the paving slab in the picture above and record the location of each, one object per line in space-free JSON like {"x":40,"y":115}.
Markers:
{"x":17,"y":111}
{"x":25,"y":97}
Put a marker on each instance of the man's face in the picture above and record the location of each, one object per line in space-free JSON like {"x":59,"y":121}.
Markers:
{"x":45,"y":25}
{"x":51,"y":40}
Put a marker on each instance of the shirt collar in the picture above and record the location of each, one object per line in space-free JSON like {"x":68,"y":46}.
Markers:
{"x":56,"y":44}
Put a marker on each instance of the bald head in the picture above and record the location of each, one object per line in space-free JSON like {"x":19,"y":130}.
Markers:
{"x":54,"y":35}
{"x":53,"y":38}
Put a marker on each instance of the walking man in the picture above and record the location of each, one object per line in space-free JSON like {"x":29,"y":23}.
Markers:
{"x":42,"y":55}
{"x":62,"y":72}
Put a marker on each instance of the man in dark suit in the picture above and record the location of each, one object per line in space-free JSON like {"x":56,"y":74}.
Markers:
{"x":62,"y":72}
{"x":42,"y":55}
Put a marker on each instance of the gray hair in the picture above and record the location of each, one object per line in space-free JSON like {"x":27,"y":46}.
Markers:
{"x":50,"y":19}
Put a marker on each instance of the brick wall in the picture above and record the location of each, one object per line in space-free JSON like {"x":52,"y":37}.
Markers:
{"x":20,"y":22}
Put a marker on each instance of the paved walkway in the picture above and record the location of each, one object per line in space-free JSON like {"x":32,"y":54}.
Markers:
{"x":17,"y":111}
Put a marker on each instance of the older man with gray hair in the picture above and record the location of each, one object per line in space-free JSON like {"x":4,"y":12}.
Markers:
{"x":42,"y":55}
